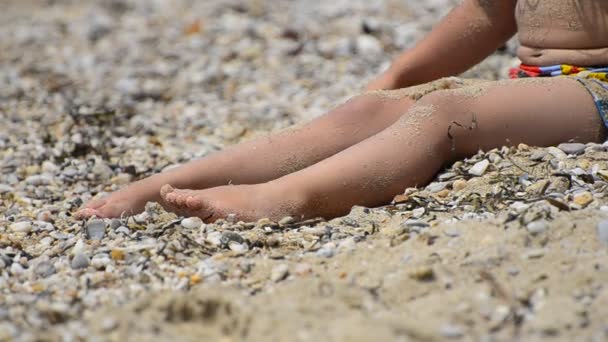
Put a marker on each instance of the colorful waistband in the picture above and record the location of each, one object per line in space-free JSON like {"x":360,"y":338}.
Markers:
{"x":598,"y":72}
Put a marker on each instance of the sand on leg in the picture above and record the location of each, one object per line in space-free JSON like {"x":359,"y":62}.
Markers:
{"x":264,"y":158}
{"x":411,"y":151}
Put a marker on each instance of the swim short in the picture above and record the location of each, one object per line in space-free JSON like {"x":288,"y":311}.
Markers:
{"x":594,"y":79}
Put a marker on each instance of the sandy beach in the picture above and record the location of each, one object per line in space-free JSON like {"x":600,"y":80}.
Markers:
{"x":507,"y":245}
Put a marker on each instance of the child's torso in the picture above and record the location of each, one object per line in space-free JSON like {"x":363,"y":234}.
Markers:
{"x":563,"y":32}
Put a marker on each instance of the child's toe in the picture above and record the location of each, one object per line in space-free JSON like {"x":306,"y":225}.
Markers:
{"x":165,"y":190}
{"x":193,"y":203}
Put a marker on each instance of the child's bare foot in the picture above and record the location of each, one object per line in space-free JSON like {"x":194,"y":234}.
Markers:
{"x":247,"y":202}
{"x":123,"y":202}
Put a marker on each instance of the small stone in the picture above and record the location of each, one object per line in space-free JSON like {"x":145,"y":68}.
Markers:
{"x":214,"y":238}
{"x":534,"y":254}
{"x":443,"y":193}
{"x":39,"y":180}
{"x":16,"y":268}
{"x":195,"y":279}
{"x":479,"y":168}
{"x":115,"y":224}
{"x":459,"y":184}
{"x":603,"y":174}
{"x":228,"y":237}
{"x":556,"y":152}
{"x":572,"y":148}
{"x":117,"y":254}
{"x":5,"y":188}
{"x":602,"y":232}
{"x":583,"y":198}
{"x":452,"y":232}
{"x":123,"y":230}
{"x":142,"y":218}
{"x":415,"y":223}
{"x":302,"y":269}
{"x":523,"y":147}
{"x":231,"y":218}
{"x":451,"y":331}
{"x":279,"y":272}
{"x":584,"y":164}
{"x":538,"y":188}
{"x":80,"y":261}
{"x":538,"y":155}
{"x":100,"y":261}
{"x":238,"y":247}
{"x":96,"y":229}
{"x":537,"y":227}
{"x":44,"y":269}
{"x":327,"y":251}
{"x":368,"y":45}
{"x":264,"y":222}
{"x":347,"y":244}
{"x":418,"y":212}
{"x":436,"y":187}
{"x":422,"y":273}
{"x":286,"y":220}
{"x":45,"y":216}
{"x":21,"y":227}
{"x":192,"y":223}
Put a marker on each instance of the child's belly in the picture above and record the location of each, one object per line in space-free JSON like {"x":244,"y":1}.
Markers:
{"x":563,"y":32}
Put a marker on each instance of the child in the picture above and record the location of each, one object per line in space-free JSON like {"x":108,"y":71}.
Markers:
{"x":376,"y":145}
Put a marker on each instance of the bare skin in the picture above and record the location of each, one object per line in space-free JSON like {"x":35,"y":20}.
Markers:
{"x":371,"y":148}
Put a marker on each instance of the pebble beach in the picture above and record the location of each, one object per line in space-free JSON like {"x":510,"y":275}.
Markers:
{"x":509,"y":244}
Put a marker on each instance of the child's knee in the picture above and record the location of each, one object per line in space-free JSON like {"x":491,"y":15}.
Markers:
{"x":448,"y":117}
{"x":445,"y":105}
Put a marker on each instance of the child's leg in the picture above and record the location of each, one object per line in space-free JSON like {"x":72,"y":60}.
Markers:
{"x":266,"y":158}
{"x":411,"y":151}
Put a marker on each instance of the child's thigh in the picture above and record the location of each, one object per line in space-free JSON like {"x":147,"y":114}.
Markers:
{"x":540,"y":111}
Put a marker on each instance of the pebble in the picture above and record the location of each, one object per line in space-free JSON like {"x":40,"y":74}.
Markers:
{"x":556,"y":152}
{"x":45,"y":216}
{"x":16,"y":269}
{"x":537,"y":227}
{"x":418,"y":212}
{"x":348,"y":244}
{"x":115,"y":224}
{"x":572,"y":148}
{"x":436,"y":187}
{"x":479,"y":168}
{"x":368,"y":45}
{"x":582,"y":198}
{"x":123,"y":230}
{"x":214,"y":238}
{"x":602,"y":232}
{"x":44,"y":269}
{"x":279,"y":273}
{"x":80,"y":261}
{"x":302,"y":269}
{"x":192,"y":223}
{"x":538,"y":155}
{"x":452,"y":232}
{"x":534,"y":254}
{"x":327,"y":251}
{"x":603,"y":174}
{"x":96,"y":229}
{"x":422,"y":273}
{"x":451,"y":331}
{"x":39,"y":180}
{"x":21,"y":227}
{"x":286,"y":220}
{"x":5,"y":188}
{"x":238,"y":247}
{"x":459,"y":184}
{"x":101,"y":261}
